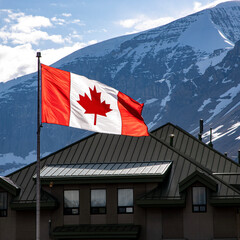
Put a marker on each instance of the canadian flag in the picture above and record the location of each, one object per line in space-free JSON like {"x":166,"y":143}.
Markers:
{"x":76,"y":101}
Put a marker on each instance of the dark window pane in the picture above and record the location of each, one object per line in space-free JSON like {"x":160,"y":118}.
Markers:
{"x":196,"y":208}
{"x":98,"y":198}
{"x":71,"y":202}
{"x":199,"y":195}
{"x":98,"y":210}
{"x":125,"y":197}
{"x":202,"y":209}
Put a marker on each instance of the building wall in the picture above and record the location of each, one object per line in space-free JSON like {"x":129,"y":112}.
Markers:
{"x":198,"y":225}
{"x":138,"y":217}
{"x":8,"y":224}
{"x":172,"y":223}
{"x":225,"y":222}
{"x":156,"y":223}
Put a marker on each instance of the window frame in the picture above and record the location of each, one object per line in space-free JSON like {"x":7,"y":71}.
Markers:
{"x":98,"y":209}
{"x":124,"y":209}
{"x":199,"y":208}
{"x":4,"y":211}
{"x":71,"y":210}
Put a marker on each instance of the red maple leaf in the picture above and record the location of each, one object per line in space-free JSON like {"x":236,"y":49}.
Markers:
{"x":94,"y":105}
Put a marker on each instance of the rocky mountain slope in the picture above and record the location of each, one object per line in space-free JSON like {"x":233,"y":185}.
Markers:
{"x":183,"y":71}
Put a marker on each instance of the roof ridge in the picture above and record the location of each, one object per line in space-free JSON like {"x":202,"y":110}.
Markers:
{"x":196,"y":139}
{"x":195,"y":163}
{"x":201,"y":142}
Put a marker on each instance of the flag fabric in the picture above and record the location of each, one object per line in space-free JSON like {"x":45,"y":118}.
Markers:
{"x":72,"y":100}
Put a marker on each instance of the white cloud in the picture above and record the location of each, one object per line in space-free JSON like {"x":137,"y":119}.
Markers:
{"x":79,"y":22}
{"x":67,"y":14}
{"x":197,"y":6}
{"x":20,"y":37}
{"x":50,"y":56}
{"x":24,"y":29}
{"x":16,"y":61}
{"x":21,"y":60}
{"x":58,"y":21}
{"x":28,"y":23}
{"x":143,"y":22}
{"x":34,"y":38}
{"x":129,"y":23}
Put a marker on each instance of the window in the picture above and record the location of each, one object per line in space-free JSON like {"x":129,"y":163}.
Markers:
{"x":98,"y":201}
{"x":125,"y":200}
{"x":199,"y":199}
{"x":3,"y":204}
{"x":71,"y":202}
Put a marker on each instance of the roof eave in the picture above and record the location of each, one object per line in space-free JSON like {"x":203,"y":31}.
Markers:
{"x":162,"y":202}
{"x":9,"y":188}
{"x":103,"y":179}
{"x":225,"y":201}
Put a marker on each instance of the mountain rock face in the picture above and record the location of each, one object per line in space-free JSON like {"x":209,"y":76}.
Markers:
{"x":184,"y":71}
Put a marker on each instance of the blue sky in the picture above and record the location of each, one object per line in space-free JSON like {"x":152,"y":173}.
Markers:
{"x":59,"y":27}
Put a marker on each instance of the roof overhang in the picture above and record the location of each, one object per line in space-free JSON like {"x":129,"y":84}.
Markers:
{"x":47,"y":202}
{"x":8,"y":185}
{"x":162,"y":202}
{"x":103,"y":231}
{"x":226,"y":201}
{"x":105,"y":172}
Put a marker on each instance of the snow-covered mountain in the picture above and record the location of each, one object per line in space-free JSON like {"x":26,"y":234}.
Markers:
{"x":183,"y":71}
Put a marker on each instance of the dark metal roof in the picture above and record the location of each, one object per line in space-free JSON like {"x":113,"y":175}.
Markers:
{"x":188,"y":155}
{"x":208,"y":157}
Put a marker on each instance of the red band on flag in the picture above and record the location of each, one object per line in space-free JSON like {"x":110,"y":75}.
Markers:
{"x":55,"y":95}
{"x":132,"y":121}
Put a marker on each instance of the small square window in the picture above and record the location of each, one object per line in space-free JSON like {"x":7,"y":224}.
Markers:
{"x":71,"y":202}
{"x":98,"y":201}
{"x":199,"y":199}
{"x":125,"y":200}
{"x":3,"y":204}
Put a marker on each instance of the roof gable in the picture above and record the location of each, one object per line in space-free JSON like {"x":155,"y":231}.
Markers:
{"x":198,"y":177}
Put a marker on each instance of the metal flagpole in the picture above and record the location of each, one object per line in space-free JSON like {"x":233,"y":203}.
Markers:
{"x":38,"y":184}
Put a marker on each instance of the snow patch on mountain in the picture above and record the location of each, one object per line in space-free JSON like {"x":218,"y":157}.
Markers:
{"x":118,"y":69}
{"x":11,"y":159}
{"x":205,"y":102}
{"x":154,"y":122}
{"x":238,"y":104}
{"x":216,"y":134}
{"x":224,"y":100}
{"x":208,"y":61}
{"x":149,"y":101}
{"x":139,"y":53}
{"x":203,"y":35}
{"x":95,"y":50}
{"x":168,"y":97}
{"x":9,"y":86}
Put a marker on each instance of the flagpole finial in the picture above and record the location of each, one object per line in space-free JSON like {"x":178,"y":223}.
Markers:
{"x":38,"y":54}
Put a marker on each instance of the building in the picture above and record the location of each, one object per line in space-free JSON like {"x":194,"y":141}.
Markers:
{"x":169,"y":185}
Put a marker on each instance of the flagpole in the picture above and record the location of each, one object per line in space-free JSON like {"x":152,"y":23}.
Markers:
{"x":38,"y":184}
